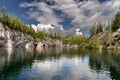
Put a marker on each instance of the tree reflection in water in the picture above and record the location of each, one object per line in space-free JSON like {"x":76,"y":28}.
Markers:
{"x":13,"y":61}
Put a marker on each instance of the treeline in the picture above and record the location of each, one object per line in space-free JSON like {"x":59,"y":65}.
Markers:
{"x":113,"y":26}
{"x":74,"y":39}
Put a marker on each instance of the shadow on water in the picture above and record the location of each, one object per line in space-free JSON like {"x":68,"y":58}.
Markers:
{"x":13,"y":61}
{"x":107,"y":60}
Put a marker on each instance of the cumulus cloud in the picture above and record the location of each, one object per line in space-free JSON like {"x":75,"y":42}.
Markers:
{"x":42,"y":12}
{"x":78,"y":33}
{"x":86,"y":13}
{"x":83,"y":13}
{"x":44,"y":27}
{"x":49,"y":28}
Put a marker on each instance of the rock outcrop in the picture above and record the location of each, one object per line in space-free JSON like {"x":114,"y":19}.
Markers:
{"x":116,"y":37}
{"x":12,"y":38}
{"x":104,"y":38}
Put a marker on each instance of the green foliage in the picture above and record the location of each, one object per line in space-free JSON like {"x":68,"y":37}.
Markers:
{"x":99,"y":28}
{"x":93,"y":30}
{"x":116,"y":22}
{"x":109,"y":35}
{"x":91,"y":44}
{"x":74,"y":39}
{"x":55,"y":36}
{"x":96,"y":28}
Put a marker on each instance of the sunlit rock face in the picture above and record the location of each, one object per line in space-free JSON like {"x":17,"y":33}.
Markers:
{"x":2,"y":35}
{"x":9,"y":41}
{"x":10,"y":38}
{"x":5,"y":37}
{"x":28,"y":45}
{"x":59,"y":43}
{"x":39,"y":46}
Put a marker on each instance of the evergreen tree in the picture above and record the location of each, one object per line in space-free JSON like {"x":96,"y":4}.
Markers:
{"x":99,"y":28}
{"x":96,"y":28}
{"x":109,"y":35}
{"x":93,"y":30}
{"x":116,"y":22}
{"x":3,"y":10}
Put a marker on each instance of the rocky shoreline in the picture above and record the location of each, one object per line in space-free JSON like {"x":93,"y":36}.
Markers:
{"x":11,"y":38}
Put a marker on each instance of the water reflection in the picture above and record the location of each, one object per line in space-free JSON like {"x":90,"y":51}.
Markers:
{"x":59,"y":64}
{"x":12,"y":61}
{"x":107,"y":61}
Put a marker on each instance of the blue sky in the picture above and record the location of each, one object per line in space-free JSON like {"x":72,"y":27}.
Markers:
{"x":71,"y":14}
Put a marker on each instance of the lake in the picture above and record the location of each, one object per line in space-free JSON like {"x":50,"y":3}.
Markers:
{"x":59,"y":64}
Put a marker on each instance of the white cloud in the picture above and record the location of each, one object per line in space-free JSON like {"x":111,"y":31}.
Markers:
{"x":44,"y":14}
{"x":84,"y":14}
{"x":96,"y":11}
{"x":49,"y":28}
{"x":44,"y":27}
{"x":78,"y":32}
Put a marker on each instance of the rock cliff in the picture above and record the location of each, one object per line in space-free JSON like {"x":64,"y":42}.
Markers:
{"x":104,"y":38}
{"x":12,"y":38}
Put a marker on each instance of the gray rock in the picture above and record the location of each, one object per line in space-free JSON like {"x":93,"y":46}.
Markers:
{"x":16,"y":38}
{"x":116,"y":35}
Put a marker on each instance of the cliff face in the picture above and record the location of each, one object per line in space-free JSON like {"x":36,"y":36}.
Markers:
{"x":11,"y":38}
{"x":116,"y":37}
{"x":105,"y":39}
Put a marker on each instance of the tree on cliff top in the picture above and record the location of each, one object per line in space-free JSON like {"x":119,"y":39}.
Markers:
{"x":116,"y":22}
{"x":3,"y":10}
{"x":96,"y":28}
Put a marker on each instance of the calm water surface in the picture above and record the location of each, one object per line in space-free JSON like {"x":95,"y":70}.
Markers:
{"x":59,"y":64}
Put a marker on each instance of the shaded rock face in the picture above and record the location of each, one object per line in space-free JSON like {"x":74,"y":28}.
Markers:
{"x":103,"y":37}
{"x":100,"y":36}
{"x":11,"y":38}
{"x":49,"y":43}
{"x":116,"y":37}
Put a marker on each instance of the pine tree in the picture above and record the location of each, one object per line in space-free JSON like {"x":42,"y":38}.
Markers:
{"x":109,"y":35}
{"x":99,"y":28}
{"x":3,"y":10}
{"x":116,"y":22}
{"x":93,"y":30}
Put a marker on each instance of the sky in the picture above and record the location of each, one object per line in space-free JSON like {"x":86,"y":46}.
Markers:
{"x":71,"y":14}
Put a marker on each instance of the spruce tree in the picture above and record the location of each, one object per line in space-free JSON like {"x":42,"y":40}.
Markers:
{"x":116,"y":22}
